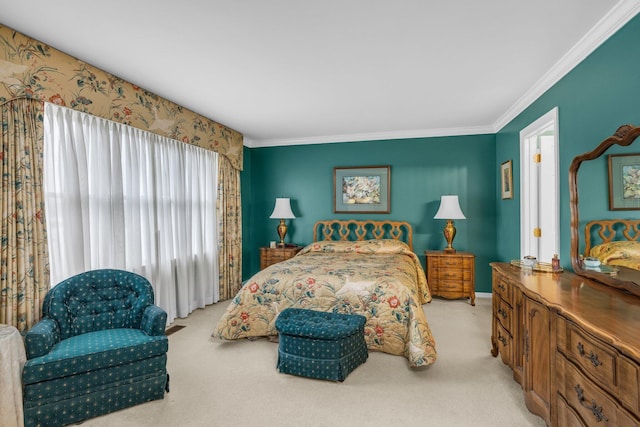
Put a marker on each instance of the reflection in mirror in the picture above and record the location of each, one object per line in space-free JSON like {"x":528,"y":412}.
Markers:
{"x":589,"y":202}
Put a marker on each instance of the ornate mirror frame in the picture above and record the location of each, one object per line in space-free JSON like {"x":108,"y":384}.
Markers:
{"x":626,"y":279}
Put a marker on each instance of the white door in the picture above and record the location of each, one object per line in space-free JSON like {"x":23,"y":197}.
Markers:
{"x":539,"y":188}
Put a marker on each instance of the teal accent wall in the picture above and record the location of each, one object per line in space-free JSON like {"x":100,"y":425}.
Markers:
{"x":593,"y":100}
{"x":422,"y":169}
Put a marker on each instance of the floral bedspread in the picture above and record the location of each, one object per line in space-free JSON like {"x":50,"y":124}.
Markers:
{"x":623,"y":253}
{"x":380,"y":279}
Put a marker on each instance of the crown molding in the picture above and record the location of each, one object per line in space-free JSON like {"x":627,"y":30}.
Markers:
{"x":617,"y":17}
{"x":374,"y":136}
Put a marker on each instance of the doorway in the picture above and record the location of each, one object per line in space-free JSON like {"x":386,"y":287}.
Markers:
{"x":539,"y":188}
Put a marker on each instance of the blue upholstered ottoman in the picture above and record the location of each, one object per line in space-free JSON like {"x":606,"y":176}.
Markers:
{"x":316,"y":344}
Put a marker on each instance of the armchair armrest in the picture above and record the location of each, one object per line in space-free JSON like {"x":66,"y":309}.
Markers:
{"x":154,"y":320}
{"x":40,"y":339}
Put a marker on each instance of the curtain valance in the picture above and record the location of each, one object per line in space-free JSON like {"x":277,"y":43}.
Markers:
{"x":31,"y":69}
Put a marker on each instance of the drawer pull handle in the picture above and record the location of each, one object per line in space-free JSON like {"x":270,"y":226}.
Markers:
{"x":502,"y":312}
{"x":502,"y":287}
{"x":594,"y":408}
{"x":592,"y":356}
{"x":502,"y":339}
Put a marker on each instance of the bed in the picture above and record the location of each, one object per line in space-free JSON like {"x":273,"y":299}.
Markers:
{"x":352,"y":267}
{"x":614,"y":242}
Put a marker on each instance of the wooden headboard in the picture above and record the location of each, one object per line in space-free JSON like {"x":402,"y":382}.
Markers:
{"x":609,"y":230}
{"x":352,"y":230}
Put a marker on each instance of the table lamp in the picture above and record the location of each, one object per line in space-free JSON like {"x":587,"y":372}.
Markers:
{"x":449,"y":210}
{"x":282,"y":211}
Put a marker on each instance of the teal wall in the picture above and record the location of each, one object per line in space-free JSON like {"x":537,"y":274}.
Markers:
{"x":422,"y":170}
{"x":593,"y":100}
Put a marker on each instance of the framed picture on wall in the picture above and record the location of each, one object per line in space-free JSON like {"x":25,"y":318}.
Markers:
{"x":506,"y":179}
{"x":624,"y":181}
{"x":361,"y":189}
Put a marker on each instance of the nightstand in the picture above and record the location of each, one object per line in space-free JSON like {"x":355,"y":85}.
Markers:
{"x":269,"y":256}
{"x":451,"y":275}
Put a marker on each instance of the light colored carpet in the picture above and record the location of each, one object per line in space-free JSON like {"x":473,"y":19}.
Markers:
{"x":237,"y":384}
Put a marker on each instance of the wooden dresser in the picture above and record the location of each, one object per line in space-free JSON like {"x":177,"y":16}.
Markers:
{"x":269,"y":256}
{"x":572,"y":343}
{"x":451,"y":275}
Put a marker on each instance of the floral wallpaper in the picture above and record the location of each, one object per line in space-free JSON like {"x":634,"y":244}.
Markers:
{"x":31,"y":69}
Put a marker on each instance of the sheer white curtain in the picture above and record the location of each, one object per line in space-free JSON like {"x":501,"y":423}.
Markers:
{"x":120,"y":197}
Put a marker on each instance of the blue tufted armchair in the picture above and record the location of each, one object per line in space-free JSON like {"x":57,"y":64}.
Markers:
{"x":99,"y":347}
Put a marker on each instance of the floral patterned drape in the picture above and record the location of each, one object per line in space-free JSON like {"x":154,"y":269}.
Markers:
{"x":229,"y":228}
{"x":24,"y":257}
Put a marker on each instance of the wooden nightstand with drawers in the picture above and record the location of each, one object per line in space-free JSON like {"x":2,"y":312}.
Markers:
{"x":451,"y":275}
{"x":269,"y":256}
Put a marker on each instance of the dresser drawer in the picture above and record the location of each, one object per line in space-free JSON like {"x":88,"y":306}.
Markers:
{"x":504,"y":313}
{"x":505,"y":345}
{"x":503,"y":289}
{"x":450,"y":285}
{"x":593,"y":405}
{"x":449,"y":274}
{"x":454,"y":262}
{"x":270,"y":256}
{"x":567,"y":417}
{"x":278,"y":256}
{"x":595,"y":358}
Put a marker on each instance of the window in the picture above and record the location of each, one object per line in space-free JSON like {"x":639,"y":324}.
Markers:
{"x":120,"y":197}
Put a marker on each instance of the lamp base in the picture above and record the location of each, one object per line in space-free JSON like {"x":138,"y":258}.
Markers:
{"x":282,"y":231}
{"x":449,"y":234}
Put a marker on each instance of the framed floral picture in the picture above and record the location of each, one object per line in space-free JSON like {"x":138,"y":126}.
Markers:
{"x":361,"y":189}
{"x":624,"y":182}
{"x":506,"y":179}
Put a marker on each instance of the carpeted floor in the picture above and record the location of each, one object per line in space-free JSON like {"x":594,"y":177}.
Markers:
{"x":237,"y":384}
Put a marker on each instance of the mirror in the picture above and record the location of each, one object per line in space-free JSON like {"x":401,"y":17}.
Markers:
{"x":626,"y":278}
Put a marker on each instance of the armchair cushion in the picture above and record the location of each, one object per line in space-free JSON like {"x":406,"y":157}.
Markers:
{"x":93,"y":351}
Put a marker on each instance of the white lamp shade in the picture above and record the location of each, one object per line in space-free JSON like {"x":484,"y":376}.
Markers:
{"x":282,"y":209}
{"x":449,"y":208}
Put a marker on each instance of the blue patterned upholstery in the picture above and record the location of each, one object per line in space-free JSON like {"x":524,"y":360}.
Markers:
{"x":320,"y":345}
{"x":99,"y":347}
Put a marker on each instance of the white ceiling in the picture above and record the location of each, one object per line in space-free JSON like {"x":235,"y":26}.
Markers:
{"x":294,"y":72}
